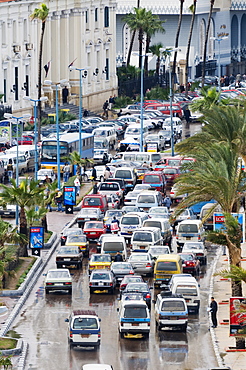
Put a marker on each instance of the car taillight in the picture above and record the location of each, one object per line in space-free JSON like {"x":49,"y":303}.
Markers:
{"x":199,"y":237}
{"x":123,"y":286}
{"x":49,"y":283}
{"x":71,"y":335}
{"x":199,"y":254}
{"x":131,"y":272}
{"x":99,"y":335}
{"x":68,"y":283}
{"x":111,"y":284}
{"x":148,"y":265}
{"x":90,"y":284}
{"x":148,"y":323}
{"x":191,"y":263}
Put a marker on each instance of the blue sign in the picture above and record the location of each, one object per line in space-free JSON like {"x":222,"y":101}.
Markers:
{"x":219,"y":222}
{"x":36,"y":237}
{"x":69,"y":196}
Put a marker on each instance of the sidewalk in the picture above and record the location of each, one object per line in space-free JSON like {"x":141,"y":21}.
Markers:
{"x":220,"y":336}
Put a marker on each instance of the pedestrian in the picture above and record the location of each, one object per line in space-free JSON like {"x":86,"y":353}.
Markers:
{"x":213,"y":310}
{"x":85,"y":113}
{"x":47,"y":180}
{"x":59,"y":200}
{"x":145,"y":165}
{"x":77,"y":184}
{"x":167,"y":202}
{"x":226,"y":80}
{"x":111,"y":102}
{"x":118,"y":257}
{"x":114,"y":227}
{"x":65,"y":93}
{"x":106,"y":173}
{"x":10,"y":169}
{"x":187,"y":115}
{"x":95,"y":188}
{"x":66,"y":172}
{"x":151,"y":167}
{"x":47,"y":194}
{"x":105,"y":109}
{"x":94,"y":174}
{"x":231,"y":79}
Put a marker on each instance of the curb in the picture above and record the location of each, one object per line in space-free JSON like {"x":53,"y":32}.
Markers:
{"x":212,"y":331}
{"x":52,"y":239}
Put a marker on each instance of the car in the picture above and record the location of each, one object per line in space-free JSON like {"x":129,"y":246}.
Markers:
{"x":120,"y":269}
{"x":99,"y":261}
{"x":113,"y":201}
{"x":94,"y":229}
{"x":88,"y":214}
{"x":130,"y":198}
{"x":156,"y":139}
{"x":102,"y":155}
{"x":142,"y":288}
{"x":109,"y":217}
{"x":70,"y":231}
{"x":69,"y":256}
{"x":191,"y":264}
{"x":41,"y":175}
{"x":140,"y":172}
{"x":198,"y":249}
{"x":156,"y":180}
{"x":142,"y":262}
{"x":140,"y":187}
{"x":58,"y":279}
{"x":100,"y":173}
{"x":187,"y":214}
{"x":102,"y":280}
{"x":173,"y":194}
{"x":159,"y":212}
{"x":129,"y":109}
{"x":129,"y":209}
{"x":156,"y":250}
{"x":122,"y":184}
{"x":8,"y":211}
{"x":79,"y":241}
{"x":108,"y":187}
{"x":171,"y":174}
{"x":100,"y":240}
{"x":95,"y":201}
{"x":130,"y":279}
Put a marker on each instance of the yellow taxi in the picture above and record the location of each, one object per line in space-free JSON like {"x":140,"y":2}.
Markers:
{"x":79,"y":241}
{"x":140,"y":173}
{"x":99,"y":261}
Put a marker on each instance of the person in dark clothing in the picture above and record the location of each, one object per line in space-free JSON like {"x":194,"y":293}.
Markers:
{"x":95,"y":189}
{"x":85,"y":113}
{"x":105,"y":109}
{"x":118,"y":257}
{"x":94,"y":174}
{"x":213,"y":310}
{"x":65,"y":93}
{"x":119,"y":114}
{"x":187,"y":115}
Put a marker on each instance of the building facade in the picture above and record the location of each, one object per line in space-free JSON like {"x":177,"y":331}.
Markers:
{"x":76,"y":31}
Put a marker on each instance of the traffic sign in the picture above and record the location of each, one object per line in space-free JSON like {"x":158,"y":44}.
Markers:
{"x":36,"y":252}
{"x":69,"y":210}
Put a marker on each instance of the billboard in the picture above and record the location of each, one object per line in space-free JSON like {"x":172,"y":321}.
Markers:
{"x":69,"y":196}
{"x":36,"y":237}
{"x":5,"y":130}
{"x":238,"y":317}
{"x":219,"y":222}
{"x":152,"y":147}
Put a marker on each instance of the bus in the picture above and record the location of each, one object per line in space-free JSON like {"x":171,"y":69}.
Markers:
{"x":68,"y":143}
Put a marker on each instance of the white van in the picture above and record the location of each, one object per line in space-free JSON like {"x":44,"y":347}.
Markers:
{"x":145,"y":237}
{"x":108,"y":133}
{"x":141,"y":157}
{"x":190,"y":230}
{"x":113,"y":245}
{"x":29,"y":152}
{"x":164,"y":226}
{"x":130,"y":222}
{"x":148,"y":198}
{"x":189,"y":289}
{"x":134,"y":131}
{"x":22,"y":162}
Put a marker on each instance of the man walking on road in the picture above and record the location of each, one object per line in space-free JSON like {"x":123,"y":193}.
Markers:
{"x":213,"y":310}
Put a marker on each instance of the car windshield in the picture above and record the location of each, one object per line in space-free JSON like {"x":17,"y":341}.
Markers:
{"x":92,"y":202}
{"x":130,"y":220}
{"x":139,"y":257}
{"x":76,"y":239}
{"x":135,"y":312}
{"x":146,"y":199}
{"x":186,"y":290}
{"x":109,"y":186}
{"x":159,"y":210}
{"x":78,"y":231}
{"x":152,"y":179}
{"x":188,"y":228}
{"x":152,"y":224}
{"x":68,"y":250}
{"x":193,"y":246}
{"x":90,"y":211}
{"x":121,"y":266}
{"x":113,"y":213}
{"x":142,"y":157}
{"x":132,"y":287}
{"x":173,"y":162}
{"x":98,"y":144}
{"x":186,"y":257}
{"x":166,"y":266}
{"x":142,"y":236}
{"x":124,"y":174}
{"x":101,"y":258}
{"x":85,"y":323}
{"x":100,"y":276}
{"x":93,"y":225}
{"x":170,"y":305}
{"x":58,"y":275}
{"x":157,"y":250}
{"x":132,"y":279}
{"x":132,"y":130}
{"x":169,"y":171}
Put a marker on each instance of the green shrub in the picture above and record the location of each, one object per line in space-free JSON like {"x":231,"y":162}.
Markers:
{"x":122,"y":101}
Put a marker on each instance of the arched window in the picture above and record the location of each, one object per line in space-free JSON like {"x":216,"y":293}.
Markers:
{"x":243,"y":37}
{"x":106,"y":16}
{"x":234,"y":38}
{"x":210,"y":52}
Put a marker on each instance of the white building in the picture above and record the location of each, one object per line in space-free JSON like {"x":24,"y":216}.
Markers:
{"x":79,"y":31}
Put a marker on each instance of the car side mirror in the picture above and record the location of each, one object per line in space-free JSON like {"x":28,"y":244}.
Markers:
{"x":66,"y":320}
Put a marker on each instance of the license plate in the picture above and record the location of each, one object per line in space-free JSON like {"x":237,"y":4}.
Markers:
{"x":135,"y":324}
{"x":6,"y":213}
{"x":188,"y":238}
{"x":85,"y":335}
{"x":101,"y":284}
{"x":93,"y":233}
{"x":67,"y":259}
{"x":173,"y":318}
{"x":57,"y":284}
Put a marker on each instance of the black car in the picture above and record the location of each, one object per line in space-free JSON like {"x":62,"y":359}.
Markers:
{"x":142,"y":288}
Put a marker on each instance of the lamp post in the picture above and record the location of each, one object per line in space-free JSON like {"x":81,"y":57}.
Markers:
{"x":168,"y":53}
{"x":219,"y":39}
{"x":141,"y":97}
{"x":17,"y":119}
{"x":72,"y":68}
{"x":48,"y":82}
{"x":43,"y":98}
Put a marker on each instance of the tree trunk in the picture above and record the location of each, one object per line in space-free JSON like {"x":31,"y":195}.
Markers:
{"x":206,"y":41}
{"x":146,"y":57}
{"x":177,"y":40}
{"x":23,"y":230}
{"x":140,"y":39}
{"x":45,"y":224}
{"x":188,"y":48}
{"x":157,"y":68}
{"x":130,"y":48}
{"x":40,"y":78}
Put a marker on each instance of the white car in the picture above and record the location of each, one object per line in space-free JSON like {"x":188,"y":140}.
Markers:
{"x":177,"y":125}
{"x":46,"y":172}
{"x":102,"y":155}
{"x":173,"y":194}
{"x":100,"y":173}
{"x":130,"y":198}
{"x":58,"y":279}
{"x":198,"y":249}
{"x":187,"y":214}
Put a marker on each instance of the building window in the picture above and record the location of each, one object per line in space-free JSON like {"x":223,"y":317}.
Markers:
{"x":87,"y":20}
{"x":16,"y":84}
{"x":96,"y":15}
{"x":27,"y":85}
{"x":106,"y":16}
{"x":5,"y":86}
{"x":107,"y":68}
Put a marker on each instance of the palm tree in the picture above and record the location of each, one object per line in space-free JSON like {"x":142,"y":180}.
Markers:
{"x":41,"y":14}
{"x":193,"y":10}
{"x":25,"y":196}
{"x":155,"y":50}
{"x":6,"y":362}
{"x":153,"y":24}
{"x":75,"y":159}
{"x":210,"y":98}
{"x":206,"y":41}
{"x":177,"y":38}
{"x":132,"y":41}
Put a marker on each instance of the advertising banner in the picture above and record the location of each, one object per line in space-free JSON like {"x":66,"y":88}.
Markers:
{"x":152,"y":147}
{"x":36,"y":237}
{"x":69,"y":196}
{"x":219,"y":222}
{"x":5,"y":130}
{"x":238,"y":317}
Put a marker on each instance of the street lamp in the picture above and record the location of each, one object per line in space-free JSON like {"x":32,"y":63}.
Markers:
{"x":141,"y":97}
{"x":48,"y":82}
{"x":168,"y":53}
{"x":219,"y":39}
{"x":43,"y":98}
{"x":17,"y":119}
{"x":72,"y":68}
